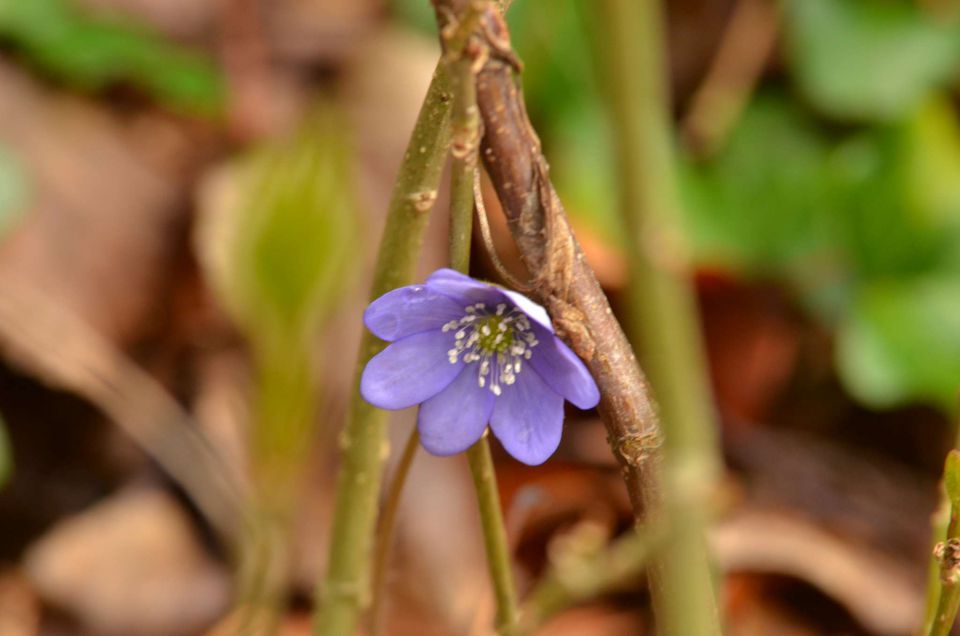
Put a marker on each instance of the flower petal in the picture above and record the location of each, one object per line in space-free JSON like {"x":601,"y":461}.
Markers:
{"x":454,"y":419}
{"x":532,"y":309}
{"x":409,"y":371}
{"x":563,"y":371}
{"x":528,"y":419}
{"x":462,"y":288}
{"x":409,"y":310}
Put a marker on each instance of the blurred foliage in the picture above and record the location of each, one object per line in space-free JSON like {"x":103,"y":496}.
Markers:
{"x":869,"y":59}
{"x":901,"y":341}
{"x":280,"y":253}
{"x":865,"y":224}
{"x":92,"y":53}
{"x":761,"y":206}
{"x":841,"y":178}
{"x":279,"y":248}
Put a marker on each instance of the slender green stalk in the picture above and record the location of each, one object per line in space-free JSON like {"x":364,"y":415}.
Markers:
{"x":946,"y":612}
{"x":940,"y":523}
{"x":494,"y":535}
{"x":345,"y":591}
{"x":388,"y":522}
{"x":664,"y":314}
{"x":943,"y":594}
{"x":466,"y":139}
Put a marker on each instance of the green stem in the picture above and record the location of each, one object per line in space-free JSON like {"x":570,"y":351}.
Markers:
{"x":466,"y":139}
{"x":345,"y":591}
{"x":388,"y":523}
{"x":494,"y":535}
{"x":943,"y":588}
{"x":665,"y":325}
{"x":934,"y":592}
{"x":946,"y":613}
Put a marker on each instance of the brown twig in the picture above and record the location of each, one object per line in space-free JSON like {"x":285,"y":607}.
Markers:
{"x":563,"y":283}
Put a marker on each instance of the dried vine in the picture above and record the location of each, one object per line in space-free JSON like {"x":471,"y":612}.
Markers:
{"x":564,"y":283}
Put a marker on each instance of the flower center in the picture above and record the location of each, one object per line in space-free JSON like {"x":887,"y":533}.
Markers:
{"x":499,"y":340}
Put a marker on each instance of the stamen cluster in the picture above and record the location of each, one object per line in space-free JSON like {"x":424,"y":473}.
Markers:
{"x":499,"y":340}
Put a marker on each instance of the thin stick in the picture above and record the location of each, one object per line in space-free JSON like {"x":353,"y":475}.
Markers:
{"x":388,"y":523}
{"x":487,"y":237}
{"x":664,"y":314}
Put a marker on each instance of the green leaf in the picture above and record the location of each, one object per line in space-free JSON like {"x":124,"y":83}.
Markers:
{"x":880,"y":233}
{"x":869,"y":60}
{"x":901,"y":342}
{"x":759,"y":205}
{"x":92,"y":54}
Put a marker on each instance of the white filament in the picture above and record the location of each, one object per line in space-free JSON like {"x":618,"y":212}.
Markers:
{"x":475,"y":341}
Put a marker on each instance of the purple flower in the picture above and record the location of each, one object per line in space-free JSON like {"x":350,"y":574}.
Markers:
{"x":471,"y":354}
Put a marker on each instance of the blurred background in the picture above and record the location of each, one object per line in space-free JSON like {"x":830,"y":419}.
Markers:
{"x":191,"y":198}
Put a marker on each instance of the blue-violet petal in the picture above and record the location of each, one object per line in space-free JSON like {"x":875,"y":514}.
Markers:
{"x":409,"y":371}
{"x":563,"y":371}
{"x":409,"y":310}
{"x":454,"y":419}
{"x":462,"y":288}
{"x":528,"y":419}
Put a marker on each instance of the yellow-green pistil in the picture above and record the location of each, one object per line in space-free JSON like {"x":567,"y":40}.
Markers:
{"x":496,"y":334}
